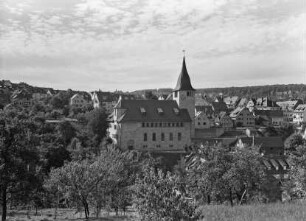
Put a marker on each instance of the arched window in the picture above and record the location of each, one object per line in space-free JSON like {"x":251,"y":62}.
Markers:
{"x":154,"y":136}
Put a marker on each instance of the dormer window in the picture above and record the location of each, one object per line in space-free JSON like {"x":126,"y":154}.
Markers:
{"x":143,"y":110}
{"x":160,"y":111}
{"x":176,"y":111}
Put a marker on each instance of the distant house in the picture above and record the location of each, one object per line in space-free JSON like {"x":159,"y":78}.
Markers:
{"x":267,"y":145}
{"x":276,"y":116}
{"x":242,"y":117}
{"x":264,"y":103}
{"x":22,"y":98}
{"x":243,"y":102}
{"x":219,"y":106}
{"x":202,"y":120}
{"x":231,"y":102}
{"x":299,"y":114}
{"x":108,"y":100}
{"x":78,"y":101}
{"x":288,"y":108}
{"x":224,"y":120}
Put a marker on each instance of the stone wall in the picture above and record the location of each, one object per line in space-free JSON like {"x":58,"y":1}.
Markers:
{"x":132,"y":136}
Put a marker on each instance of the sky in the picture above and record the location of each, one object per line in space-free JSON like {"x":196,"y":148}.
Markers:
{"x":136,"y":44}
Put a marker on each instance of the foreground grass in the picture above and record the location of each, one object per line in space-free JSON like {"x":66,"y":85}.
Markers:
{"x":67,"y":214}
{"x":262,"y":212}
{"x":294,"y":211}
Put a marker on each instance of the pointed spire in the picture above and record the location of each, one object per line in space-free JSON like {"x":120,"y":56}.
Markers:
{"x":183,"y":82}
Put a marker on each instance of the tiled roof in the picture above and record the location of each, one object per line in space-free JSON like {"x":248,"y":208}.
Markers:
{"x":183,"y":82}
{"x":219,"y":106}
{"x":263,"y":141}
{"x":269,"y":113}
{"x":289,"y":105}
{"x":21,"y":94}
{"x":147,"y":111}
{"x":205,"y":109}
{"x":276,"y":163}
{"x":301,"y":107}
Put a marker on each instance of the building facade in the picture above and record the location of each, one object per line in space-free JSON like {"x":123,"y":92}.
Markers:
{"x":161,"y":125}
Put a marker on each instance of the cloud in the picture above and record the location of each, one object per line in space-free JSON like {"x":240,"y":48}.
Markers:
{"x":102,"y":42}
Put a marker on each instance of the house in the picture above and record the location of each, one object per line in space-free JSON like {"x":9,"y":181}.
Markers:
{"x":78,"y":101}
{"x":243,"y":102}
{"x":219,"y":106}
{"x":160,"y":125}
{"x":22,"y":98}
{"x":242,"y":117}
{"x":272,"y":146}
{"x":203,"y":121}
{"x":264,"y":103}
{"x":288,"y":108}
{"x":274,"y":116}
{"x":231,"y":102}
{"x":224,"y":120}
{"x":299,"y":114}
{"x":108,"y":100}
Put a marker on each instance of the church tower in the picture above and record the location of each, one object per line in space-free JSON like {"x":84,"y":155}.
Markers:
{"x":184,"y":94}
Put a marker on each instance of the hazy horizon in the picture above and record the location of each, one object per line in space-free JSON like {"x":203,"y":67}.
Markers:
{"x":137,"y":44}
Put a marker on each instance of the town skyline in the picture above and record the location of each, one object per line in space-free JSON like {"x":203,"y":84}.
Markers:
{"x":90,"y":45}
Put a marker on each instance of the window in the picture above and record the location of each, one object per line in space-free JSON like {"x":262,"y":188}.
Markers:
{"x":143,"y":124}
{"x":154,"y":136}
{"x":145,"y":146}
{"x":162,"y":137}
{"x":152,"y":124}
{"x":145,"y":137}
{"x":142,"y":110}
{"x":179,"y":136}
{"x":160,"y":124}
{"x":175,"y":94}
{"x":160,"y":111}
{"x":148,"y":124}
{"x":188,"y":93}
{"x":171,"y":136}
{"x":176,"y":111}
{"x":115,"y":127}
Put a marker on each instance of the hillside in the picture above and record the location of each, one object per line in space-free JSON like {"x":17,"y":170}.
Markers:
{"x":276,"y":92}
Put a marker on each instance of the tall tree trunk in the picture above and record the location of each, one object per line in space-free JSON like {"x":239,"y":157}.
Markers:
{"x":4,"y":202}
{"x":231,"y":197}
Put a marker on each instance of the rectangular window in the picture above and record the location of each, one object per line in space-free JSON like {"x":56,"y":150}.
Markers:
{"x":154,"y":136}
{"x":171,"y":136}
{"x":162,"y":137}
{"x":175,"y":94}
{"x":145,"y":137}
{"x":143,"y":124}
{"x":179,"y":136}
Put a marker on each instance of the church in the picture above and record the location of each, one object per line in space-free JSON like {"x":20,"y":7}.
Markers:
{"x":161,"y":125}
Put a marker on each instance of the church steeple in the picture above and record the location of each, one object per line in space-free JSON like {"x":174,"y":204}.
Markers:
{"x":183,"y":82}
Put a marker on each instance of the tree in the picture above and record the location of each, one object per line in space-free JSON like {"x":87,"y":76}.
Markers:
{"x":157,"y":196}
{"x":66,"y":132}
{"x":97,"y":124}
{"x":220,"y":175}
{"x":18,"y":159}
{"x":86,"y":181}
{"x":292,"y":142}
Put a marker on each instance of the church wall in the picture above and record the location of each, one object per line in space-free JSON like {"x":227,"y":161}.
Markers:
{"x":134,"y":133}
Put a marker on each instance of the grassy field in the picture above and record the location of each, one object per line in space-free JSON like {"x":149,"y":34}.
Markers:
{"x":271,"y":212}
{"x":67,"y":214}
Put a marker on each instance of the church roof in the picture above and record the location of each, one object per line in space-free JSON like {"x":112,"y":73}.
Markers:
{"x":152,"y":111}
{"x":183,"y":82}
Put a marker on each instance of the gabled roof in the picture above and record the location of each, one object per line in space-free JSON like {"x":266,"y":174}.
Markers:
{"x":265,"y":102}
{"x":21,"y":94}
{"x":219,"y":106}
{"x":205,"y":109}
{"x":183,"y":82}
{"x":301,"y":107}
{"x":133,"y":111}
